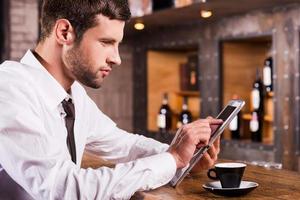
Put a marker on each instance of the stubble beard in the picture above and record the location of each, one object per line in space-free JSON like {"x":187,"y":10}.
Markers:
{"x":80,"y":68}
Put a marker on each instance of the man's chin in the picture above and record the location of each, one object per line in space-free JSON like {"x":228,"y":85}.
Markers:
{"x":94,"y":85}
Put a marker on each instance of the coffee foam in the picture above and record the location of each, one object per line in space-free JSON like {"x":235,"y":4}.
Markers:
{"x":230,"y":165}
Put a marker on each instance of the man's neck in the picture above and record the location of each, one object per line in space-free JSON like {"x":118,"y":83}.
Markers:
{"x":49,"y":55}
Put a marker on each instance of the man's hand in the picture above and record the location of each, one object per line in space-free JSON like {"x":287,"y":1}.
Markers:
{"x":192,"y":136}
{"x":209,"y":158}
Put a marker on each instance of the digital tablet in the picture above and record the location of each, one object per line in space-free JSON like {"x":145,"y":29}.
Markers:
{"x":227,"y":114}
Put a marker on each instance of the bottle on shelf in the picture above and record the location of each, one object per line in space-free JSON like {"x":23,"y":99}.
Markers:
{"x":139,"y":8}
{"x":185,"y":115}
{"x":189,"y":74}
{"x":182,"y":3}
{"x":257,"y":96}
{"x":256,"y":126}
{"x":162,"y":4}
{"x":257,"y":101}
{"x":267,"y":74}
{"x":164,"y":117}
{"x":193,"y":72}
{"x":235,"y":124}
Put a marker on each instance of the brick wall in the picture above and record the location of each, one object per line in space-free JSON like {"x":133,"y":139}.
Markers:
{"x":114,"y":98}
{"x":23,"y":26}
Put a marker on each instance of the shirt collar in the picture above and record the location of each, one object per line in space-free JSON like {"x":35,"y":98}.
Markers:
{"x":52,"y":92}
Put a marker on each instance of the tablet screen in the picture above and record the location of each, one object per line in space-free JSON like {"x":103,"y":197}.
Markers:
{"x":226,"y":113}
{"x":224,"y":116}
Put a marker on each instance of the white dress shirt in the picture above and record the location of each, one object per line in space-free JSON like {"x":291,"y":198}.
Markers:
{"x":34,"y":159}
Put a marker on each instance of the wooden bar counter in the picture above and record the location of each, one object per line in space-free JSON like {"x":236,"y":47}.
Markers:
{"x":273,"y":184}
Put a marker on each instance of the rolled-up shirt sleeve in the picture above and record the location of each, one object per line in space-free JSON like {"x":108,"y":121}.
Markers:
{"x":52,"y":177}
{"x":120,"y":146}
{"x":35,"y":157}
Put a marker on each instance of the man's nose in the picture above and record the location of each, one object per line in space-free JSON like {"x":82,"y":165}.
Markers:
{"x":114,"y":58}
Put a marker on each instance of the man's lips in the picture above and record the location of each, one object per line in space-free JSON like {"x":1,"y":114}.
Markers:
{"x":105,"y":71}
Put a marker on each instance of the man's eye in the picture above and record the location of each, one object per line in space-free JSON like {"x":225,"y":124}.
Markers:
{"x":106,"y":42}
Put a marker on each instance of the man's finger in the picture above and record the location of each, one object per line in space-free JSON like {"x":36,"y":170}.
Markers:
{"x":213,"y":152}
{"x":214,"y":121}
{"x":208,"y":161}
{"x":209,"y":117}
{"x":217,"y":144}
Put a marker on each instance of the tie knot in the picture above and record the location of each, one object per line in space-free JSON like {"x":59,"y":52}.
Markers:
{"x":69,"y":108}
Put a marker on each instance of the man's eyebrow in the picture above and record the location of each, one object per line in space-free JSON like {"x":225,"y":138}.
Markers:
{"x":109,"y":40}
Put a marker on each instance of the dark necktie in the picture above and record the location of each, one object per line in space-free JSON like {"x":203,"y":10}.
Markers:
{"x":70,"y":118}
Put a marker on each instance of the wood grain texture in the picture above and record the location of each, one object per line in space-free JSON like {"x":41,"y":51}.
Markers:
{"x":273,"y":184}
{"x":163,"y":71}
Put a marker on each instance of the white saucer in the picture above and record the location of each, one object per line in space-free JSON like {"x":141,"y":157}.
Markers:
{"x":216,"y":188}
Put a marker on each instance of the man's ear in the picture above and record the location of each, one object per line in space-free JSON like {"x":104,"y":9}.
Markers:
{"x":64,"y":32}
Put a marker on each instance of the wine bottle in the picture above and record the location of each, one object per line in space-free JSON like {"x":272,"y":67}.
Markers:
{"x":257,"y":96}
{"x":235,"y":124}
{"x":193,"y":72}
{"x":256,"y":127}
{"x":162,"y":4}
{"x":267,"y":74}
{"x":164,"y":117}
{"x":185,"y":115}
{"x":257,"y":114}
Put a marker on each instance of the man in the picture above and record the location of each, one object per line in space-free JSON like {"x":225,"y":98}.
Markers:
{"x":40,"y":97}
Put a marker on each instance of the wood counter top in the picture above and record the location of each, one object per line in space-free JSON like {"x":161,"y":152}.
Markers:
{"x":273,"y":184}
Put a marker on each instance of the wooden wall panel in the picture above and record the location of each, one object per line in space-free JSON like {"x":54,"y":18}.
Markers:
{"x":297,"y":94}
{"x":239,"y":64}
{"x":163,"y":76}
{"x":139,"y":89}
{"x":240,"y":61}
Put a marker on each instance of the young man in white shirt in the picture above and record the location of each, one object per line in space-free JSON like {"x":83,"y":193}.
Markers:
{"x":40,"y":158}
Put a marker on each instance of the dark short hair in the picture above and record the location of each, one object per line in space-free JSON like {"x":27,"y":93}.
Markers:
{"x":80,"y":13}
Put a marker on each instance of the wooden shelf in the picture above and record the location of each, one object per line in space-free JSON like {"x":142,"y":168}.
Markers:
{"x":189,"y":93}
{"x":267,"y":118}
{"x":189,"y":15}
{"x":270,"y":94}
